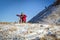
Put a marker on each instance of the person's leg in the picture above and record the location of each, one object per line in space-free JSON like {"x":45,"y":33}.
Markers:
{"x":24,"y":21}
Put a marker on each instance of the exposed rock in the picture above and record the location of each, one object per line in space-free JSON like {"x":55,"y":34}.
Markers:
{"x":28,"y":31}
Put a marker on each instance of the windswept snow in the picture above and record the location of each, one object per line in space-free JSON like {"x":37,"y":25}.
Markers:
{"x":26,"y":31}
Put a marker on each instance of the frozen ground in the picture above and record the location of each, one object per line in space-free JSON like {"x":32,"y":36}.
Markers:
{"x":27,"y":31}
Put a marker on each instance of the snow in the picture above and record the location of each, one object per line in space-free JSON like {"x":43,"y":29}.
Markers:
{"x":25,"y":31}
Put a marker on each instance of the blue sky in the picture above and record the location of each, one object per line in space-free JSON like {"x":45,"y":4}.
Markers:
{"x":9,"y":8}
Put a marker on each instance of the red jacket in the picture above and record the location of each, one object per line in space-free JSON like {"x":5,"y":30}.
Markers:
{"x":23,"y":17}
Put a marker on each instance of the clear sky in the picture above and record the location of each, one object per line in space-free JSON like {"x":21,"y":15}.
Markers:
{"x":9,"y":8}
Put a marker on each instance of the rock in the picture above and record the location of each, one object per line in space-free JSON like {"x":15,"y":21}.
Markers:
{"x":27,"y":31}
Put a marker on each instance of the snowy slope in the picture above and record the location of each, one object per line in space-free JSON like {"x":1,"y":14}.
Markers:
{"x":26,"y":31}
{"x":49,"y":15}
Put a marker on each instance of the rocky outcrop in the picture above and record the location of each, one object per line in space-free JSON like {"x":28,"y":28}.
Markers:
{"x":28,"y":31}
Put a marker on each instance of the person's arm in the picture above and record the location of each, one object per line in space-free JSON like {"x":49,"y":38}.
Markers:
{"x":18,"y":15}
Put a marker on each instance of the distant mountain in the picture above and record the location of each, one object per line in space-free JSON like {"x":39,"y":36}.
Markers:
{"x":50,"y":14}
